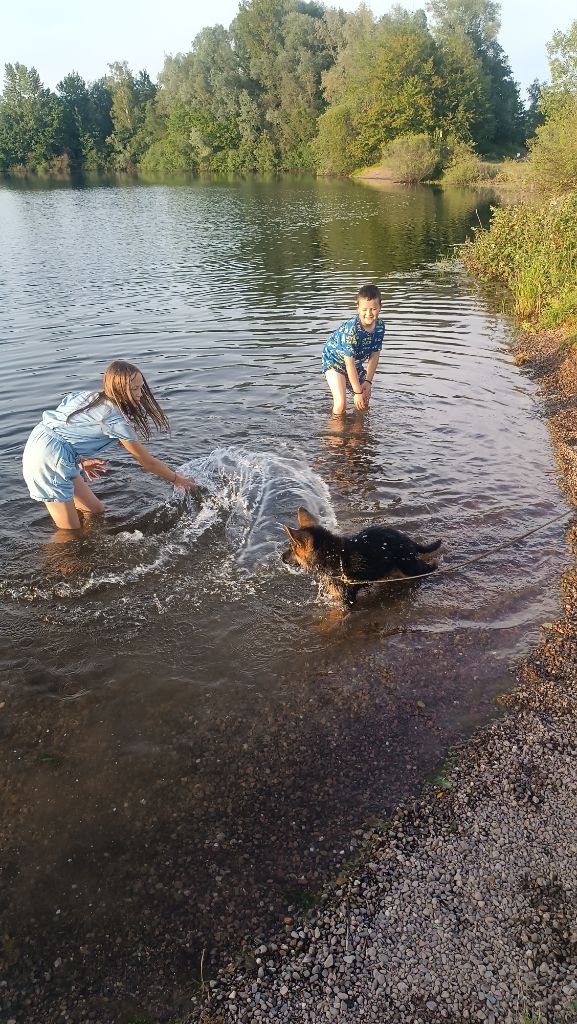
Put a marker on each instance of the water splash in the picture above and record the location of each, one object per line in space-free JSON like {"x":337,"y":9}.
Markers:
{"x":256,"y":493}
{"x":236,"y":525}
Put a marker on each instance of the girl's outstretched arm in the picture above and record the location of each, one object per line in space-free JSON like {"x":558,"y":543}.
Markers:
{"x":155,"y":466}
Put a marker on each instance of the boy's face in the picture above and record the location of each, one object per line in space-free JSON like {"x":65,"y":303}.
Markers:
{"x":368,"y":310}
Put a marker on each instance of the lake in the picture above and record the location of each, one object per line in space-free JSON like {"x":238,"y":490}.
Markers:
{"x":192,"y":732}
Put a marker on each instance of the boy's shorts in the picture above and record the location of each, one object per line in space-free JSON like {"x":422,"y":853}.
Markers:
{"x":49,"y":465}
{"x":362,"y":373}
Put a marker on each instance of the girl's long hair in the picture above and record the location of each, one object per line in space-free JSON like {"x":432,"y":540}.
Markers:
{"x":116,"y":388}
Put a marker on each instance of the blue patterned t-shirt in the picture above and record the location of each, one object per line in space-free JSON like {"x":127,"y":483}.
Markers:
{"x":351,"y":339}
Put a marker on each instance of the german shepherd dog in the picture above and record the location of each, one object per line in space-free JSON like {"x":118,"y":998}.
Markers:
{"x":366,"y":557}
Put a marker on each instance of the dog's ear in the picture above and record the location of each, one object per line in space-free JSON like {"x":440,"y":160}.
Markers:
{"x":305,"y":518}
{"x":297,"y":538}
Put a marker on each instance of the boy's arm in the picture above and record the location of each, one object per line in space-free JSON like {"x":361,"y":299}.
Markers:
{"x":358,"y":396}
{"x":372,"y":366}
{"x":352,"y":373}
{"x":371,"y":371}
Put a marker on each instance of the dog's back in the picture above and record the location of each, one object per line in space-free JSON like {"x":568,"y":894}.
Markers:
{"x":373,"y":553}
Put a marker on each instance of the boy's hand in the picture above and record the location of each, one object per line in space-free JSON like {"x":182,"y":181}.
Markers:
{"x":359,"y":400}
{"x":367,"y":391}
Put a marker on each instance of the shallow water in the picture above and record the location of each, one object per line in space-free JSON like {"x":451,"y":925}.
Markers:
{"x":171,"y":631}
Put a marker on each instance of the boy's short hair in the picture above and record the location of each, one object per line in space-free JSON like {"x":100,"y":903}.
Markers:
{"x":370,"y":292}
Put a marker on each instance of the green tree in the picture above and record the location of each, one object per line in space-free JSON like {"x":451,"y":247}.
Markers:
{"x":283,"y":48}
{"x":474,"y":25}
{"x":101,"y":125}
{"x":553,"y":150}
{"x":562,"y":53}
{"x":533,"y":113}
{"x":478,"y":19}
{"x":76,"y":121}
{"x":30,"y":119}
{"x":130,"y":96}
{"x":206,"y":78}
{"x":553,"y":165}
{"x":462,"y":99}
{"x":383,"y":83}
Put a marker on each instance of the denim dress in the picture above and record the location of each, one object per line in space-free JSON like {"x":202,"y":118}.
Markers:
{"x":54,"y":451}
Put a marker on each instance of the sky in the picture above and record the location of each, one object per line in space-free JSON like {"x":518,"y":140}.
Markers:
{"x":61,"y":36}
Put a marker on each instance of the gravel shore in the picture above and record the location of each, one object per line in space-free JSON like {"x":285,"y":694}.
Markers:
{"x":464,"y":907}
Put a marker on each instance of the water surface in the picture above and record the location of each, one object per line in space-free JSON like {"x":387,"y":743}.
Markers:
{"x":181,"y":712}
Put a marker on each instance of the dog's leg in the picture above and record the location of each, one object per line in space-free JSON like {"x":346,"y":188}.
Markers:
{"x":342,"y":592}
{"x":415,"y":566}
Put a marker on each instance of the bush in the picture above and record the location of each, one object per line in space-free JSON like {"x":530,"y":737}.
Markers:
{"x":332,"y":145}
{"x":465,"y":167}
{"x":516,"y":173}
{"x":533,"y":250}
{"x":553,"y":161}
{"x":411,"y":158}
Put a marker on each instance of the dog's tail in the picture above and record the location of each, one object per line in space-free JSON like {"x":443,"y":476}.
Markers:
{"x":424,"y":549}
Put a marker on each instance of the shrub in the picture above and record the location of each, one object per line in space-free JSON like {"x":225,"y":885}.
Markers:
{"x":533,"y":250}
{"x":553,"y":161}
{"x":332,"y":145}
{"x":465,"y":167}
{"x":516,"y":173}
{"x":411,"y":158}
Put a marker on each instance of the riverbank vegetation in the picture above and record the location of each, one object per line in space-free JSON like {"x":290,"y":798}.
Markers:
{"x":289,"y":86}
{"x":531,"y":245}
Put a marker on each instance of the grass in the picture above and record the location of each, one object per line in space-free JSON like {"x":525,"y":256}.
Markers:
{"x":532,"y":248}
{"x":528,"y":1016}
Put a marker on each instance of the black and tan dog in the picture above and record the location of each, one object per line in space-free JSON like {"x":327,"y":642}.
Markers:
{"x":346,"y":564}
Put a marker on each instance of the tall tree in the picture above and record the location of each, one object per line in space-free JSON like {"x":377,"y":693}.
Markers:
{"x":130,"y":95}
{"x":77,"y":119}
{"x":206,"y":78}
{"x":382,"y":84}
{"x":30,"y":119}
{"x":283,"y":47}
{"x":533,"y":113}
{"x":476,"y":23}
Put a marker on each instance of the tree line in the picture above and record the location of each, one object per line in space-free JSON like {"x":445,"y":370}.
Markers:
{"x":289,"y":86}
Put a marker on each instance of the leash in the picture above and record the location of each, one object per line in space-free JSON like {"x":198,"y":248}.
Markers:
{"x":453,"y":568}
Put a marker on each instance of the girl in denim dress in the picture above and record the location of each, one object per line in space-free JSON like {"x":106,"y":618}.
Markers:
{"x":58,"y":459}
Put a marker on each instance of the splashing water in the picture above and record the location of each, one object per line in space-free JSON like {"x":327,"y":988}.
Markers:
{"x":256,"y":492}
{"x":245,"y":498}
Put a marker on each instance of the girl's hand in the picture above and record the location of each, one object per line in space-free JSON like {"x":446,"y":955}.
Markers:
{"x":359,"y":400}
{"x":367,"y":391}
{"x":94,"y":468}
{"x":184,"y":483}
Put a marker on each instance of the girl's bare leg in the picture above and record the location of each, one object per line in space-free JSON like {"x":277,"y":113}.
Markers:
{"x":85,"y":499}
{"x":337,"y":382}
{"x":65,"y":514}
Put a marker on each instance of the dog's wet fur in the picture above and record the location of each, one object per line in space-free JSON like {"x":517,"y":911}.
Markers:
{"x":365,"y":558}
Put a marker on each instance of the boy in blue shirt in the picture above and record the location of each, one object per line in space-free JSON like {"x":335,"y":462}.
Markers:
{"x":355,"y":342}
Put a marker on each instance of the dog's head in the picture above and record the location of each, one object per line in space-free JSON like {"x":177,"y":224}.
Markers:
{"x":302,"y":546}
